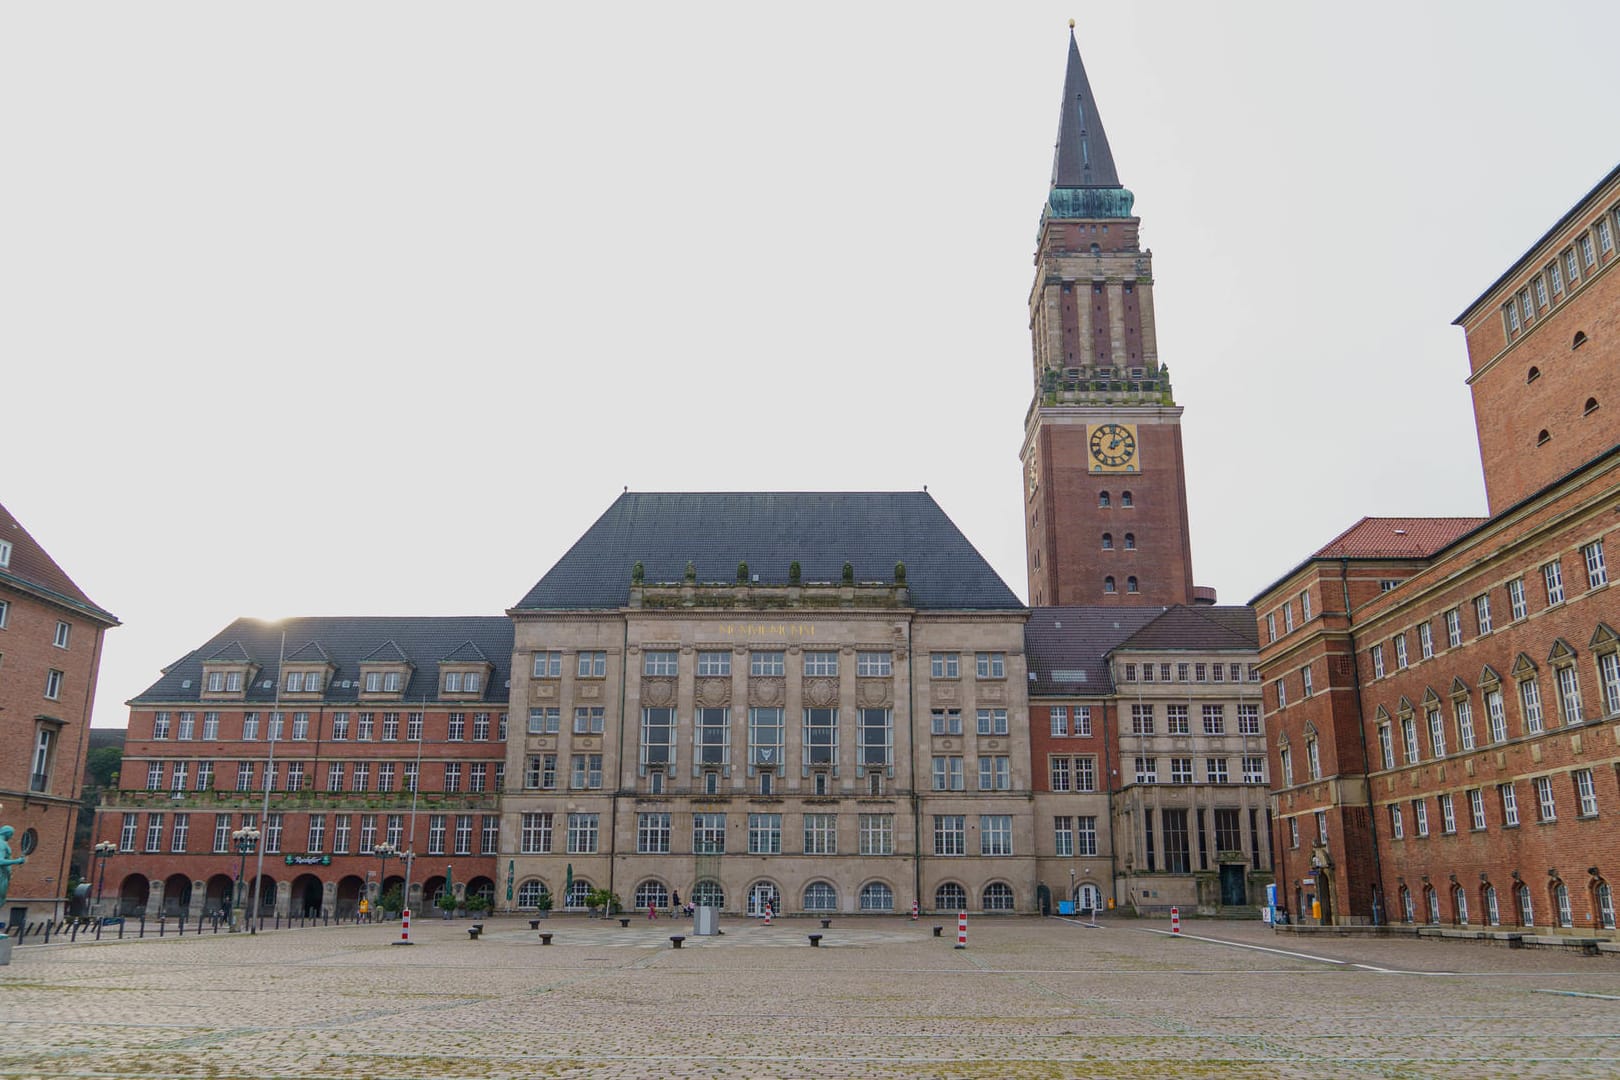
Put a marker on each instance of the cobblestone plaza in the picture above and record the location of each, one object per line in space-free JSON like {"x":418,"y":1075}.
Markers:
{"x":881,"y":997}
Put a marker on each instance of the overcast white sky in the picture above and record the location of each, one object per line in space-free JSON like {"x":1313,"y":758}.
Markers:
{"x":373,"y":308}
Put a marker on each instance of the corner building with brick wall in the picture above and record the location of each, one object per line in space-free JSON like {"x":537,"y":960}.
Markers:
{"x":51,"y":637}
{"x":1443,"y":694}
{"x":331,"y":736}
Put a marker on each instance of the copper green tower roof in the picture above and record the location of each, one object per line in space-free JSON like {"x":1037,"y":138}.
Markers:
{"x":1085,"y":183}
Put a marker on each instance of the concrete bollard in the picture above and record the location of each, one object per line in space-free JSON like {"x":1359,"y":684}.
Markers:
{"x":676,"y":940}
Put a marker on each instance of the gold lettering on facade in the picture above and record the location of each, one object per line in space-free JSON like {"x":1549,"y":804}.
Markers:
{"x":772,"y":630}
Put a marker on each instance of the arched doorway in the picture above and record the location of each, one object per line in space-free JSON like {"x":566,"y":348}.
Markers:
{"x":218,"y":896}
{"x":431,"y":888}
{"x":1088,"y":898}
{"x":348,"y":896}
{"x":267,"y":894}
{"x":482,"y":887}
{"x":760,"y":894}
{"x":1043,"y":899}
{"x":176,"y":896}
{"x":306,"y":897}
{"x":133,"y":894}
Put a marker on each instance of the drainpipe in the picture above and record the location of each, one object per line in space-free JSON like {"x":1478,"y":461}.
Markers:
{"x":618,"y":788}
{"x":1366,"y":756}
{"x":1108,"y":776}
{"x":911,"y":776}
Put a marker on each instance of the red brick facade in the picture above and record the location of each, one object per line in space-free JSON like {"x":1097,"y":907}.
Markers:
{"x":1458,"y":731}
{"x":50,"y":642}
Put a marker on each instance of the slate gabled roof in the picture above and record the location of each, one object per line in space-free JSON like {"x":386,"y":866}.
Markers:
{"x":386,"y":653}
{"x":464,"y":653}
{"x":769,"y":530}
{"x":1181,"y":627}
{"x":1066,"y":648}
{"x":308,"y":652}
{"x":231,"y":653}
{"x":345,"y":642}
{"x":32,"y":569}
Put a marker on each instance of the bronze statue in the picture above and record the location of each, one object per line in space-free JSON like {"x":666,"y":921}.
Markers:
{"x":6,"y":863}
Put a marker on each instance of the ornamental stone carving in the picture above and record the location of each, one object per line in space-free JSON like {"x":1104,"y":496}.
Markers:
{"x":658,"y":693}
{"x":995,"y":692}
{"x":875,"y":693}
{"x":820,"y":693}
{"x":768,"y":693}
{"x":713,"y":693}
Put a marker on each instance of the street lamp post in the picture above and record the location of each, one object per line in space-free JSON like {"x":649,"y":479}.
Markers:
{"x":104,"y":851}
{"x":384,"y":851}
{"x":244,"y":841}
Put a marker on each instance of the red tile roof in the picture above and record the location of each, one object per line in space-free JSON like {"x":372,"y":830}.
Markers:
{"x":1397,"y":537}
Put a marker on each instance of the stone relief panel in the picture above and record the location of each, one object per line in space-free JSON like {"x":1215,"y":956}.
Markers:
{"x":875,"y":693}
{"x":713,"y":693}
{"x":658,"y":693}
{"x":821,"y":693}
{"x":767,"y":693}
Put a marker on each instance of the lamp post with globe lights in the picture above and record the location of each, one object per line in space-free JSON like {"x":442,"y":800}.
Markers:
{"x":103,"y":851}
{"x":244,"y":842}
{"x":384,"y":851}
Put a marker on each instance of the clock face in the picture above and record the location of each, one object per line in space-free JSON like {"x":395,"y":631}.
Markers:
{"x":1113,"y":445}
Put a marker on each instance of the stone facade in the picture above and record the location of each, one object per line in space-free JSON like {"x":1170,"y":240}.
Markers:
{"x":738,"y":744}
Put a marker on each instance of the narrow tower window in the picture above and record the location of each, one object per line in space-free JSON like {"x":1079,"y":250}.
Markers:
{"x":1103,"y":500}
{"x":1125,"y":499}
{"x":1108,"y":541}
{"x":1130,"y":585}
{"x":1130,"y":541}
{"x":1108,"y":584}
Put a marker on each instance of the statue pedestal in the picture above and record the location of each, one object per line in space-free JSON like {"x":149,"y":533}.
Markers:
{"x":5,"y":950}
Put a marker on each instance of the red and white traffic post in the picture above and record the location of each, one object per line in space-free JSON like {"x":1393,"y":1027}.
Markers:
{"x":961,"y":930}
{"x":1175,"y":921}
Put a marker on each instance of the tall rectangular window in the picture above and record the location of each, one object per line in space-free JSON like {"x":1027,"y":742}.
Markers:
{"x":182,"y":831}
{"x":1063,"y":836}
{"x":1437,"y":731}
{"x":995,"y":834}
{"x":1175,"y":719}
{"x":1496,"y":715}
{"x":942,"y":665}
{"x":1141,"y":719}
{"x":1597,"y":571}
{"x":1546,"y":805}
{"x":1586,"y":792}
{"x":1085,"y":836}
{"x":1569,"y":694}
{"x":950,"y":834}
{"x":990,"y":665}
{"x":821,"y":736}
{"x":657,"y":738}
{"x":534,"y":838}
{"x":821,"y":834}
{"x":1453,"y":628}
{"x":436,"y":834}
{"x":1510,"y":804}
{"x":709,"y":834}
{"x":1082,"y":721}
{"x":711,"y":736}
{"x":1516,"y":605}
{"x":877,"y":834}
{"x":1177,"y":852}
{"x":1609,"y":674}
{"x":1425,"y":640}
{"x":995,"y":772}
{"x":1476,"y":808}
{"x":154,"y":832}
{"x":1552,"y":574}
{"x":1386,"y":746}
{"x":947,"y":772}
{"x":1248,"y":718}
{"x":652,"y":833}
{"x":582,"y":834}
{"x":1465,"y":723}
{"x":765,"y":737}
{"x":1409,"y":736}
{"x":1482,"y":613}
{"x":1214,"y":719}
{"x":1060,"y":719}
{"x":993,"y":722}
{"x":875,"y":738}
{"x":1530,"y":700}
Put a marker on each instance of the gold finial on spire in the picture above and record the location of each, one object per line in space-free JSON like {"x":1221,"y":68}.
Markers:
{"x":1071,"y":24}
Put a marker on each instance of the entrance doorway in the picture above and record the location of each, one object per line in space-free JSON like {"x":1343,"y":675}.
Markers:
{"x":1088,"y":898}
{"x":762,"y":893}
{"x":1234,"y":892}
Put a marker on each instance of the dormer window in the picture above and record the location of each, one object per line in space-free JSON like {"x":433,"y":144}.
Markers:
{"x":225,"y":681}
{"x":461,"y":682}
{"x":304,"y":682}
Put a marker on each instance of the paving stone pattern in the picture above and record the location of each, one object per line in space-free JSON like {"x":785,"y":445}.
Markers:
{"x":881,"y":997}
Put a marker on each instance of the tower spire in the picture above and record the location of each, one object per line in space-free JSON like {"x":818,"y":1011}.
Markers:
{"x":1085,"y":182}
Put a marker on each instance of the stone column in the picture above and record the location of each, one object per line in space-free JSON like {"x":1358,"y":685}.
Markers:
{"x":154,"y":897}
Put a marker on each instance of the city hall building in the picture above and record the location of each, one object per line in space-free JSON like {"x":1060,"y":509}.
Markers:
{"x":816,"y":702}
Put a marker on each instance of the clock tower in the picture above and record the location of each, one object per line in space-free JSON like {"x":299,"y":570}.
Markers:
{"x":1105,"y":513}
